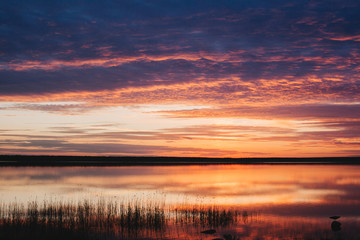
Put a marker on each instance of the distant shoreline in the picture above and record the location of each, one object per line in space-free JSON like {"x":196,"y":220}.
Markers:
{"x":25,"y":160}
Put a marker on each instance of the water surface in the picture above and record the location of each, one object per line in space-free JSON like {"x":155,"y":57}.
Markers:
{"x":263,"y":201}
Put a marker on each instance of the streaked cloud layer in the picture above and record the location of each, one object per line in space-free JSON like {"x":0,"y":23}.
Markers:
{"x":196,"y":78}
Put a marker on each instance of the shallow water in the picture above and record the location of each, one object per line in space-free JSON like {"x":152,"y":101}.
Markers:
{"x":269,"y":201}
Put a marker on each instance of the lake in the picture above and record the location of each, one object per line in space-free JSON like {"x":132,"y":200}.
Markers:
{"x":172,"y":202}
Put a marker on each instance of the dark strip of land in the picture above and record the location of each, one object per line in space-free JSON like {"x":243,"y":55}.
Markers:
{"x":23,"y":160}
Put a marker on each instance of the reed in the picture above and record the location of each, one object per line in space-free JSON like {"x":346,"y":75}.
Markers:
{"x":103,"y":220}
{"x":210,"y":216}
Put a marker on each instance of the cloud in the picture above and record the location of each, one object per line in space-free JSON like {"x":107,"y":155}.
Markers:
{"x":72,"y":48}
{"x":215,"y":90}
{"x":346,"y":38}
{"x":51,"y":146}
{"x":337,"y":136}
{"x":293,"y":112}
{"x":67,"y":109}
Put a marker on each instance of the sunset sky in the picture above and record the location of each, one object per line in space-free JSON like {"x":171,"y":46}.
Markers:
{"x":180,"y":78}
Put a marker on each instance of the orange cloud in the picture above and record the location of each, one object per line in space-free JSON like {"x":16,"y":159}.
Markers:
{"x":231,"y":90}
{"x":355,"y":38}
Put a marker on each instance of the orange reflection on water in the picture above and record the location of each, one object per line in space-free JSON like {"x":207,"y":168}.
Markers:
{"x":216,"y":184}
{"x":245,"y":201}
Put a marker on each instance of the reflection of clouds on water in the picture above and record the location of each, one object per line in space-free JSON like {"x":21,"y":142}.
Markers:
{"x":280,"y":189}
{"x":311,"y":209}
{"x":45,"y":177}
{"x":245,"y":216}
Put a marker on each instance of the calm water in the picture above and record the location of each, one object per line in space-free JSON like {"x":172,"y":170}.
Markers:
{"x":260,"y":201}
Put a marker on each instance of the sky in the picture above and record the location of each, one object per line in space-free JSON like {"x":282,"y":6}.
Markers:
{"x":180,"y":78}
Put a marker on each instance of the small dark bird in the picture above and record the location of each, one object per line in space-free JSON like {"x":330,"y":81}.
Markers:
{"x":210,"y":231}
{"x":335,"y":217}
